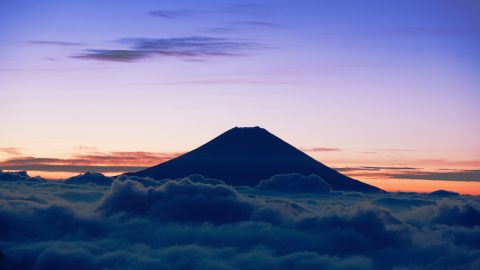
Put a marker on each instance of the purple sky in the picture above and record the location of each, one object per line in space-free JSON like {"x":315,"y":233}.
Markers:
{"x":166,"y":76}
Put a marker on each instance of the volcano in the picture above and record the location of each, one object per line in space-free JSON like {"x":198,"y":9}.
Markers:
{"x":245,"y":156}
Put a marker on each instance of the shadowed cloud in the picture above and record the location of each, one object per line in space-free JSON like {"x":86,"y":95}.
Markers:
{"x":182,"y":201}
{"x":182,"y":224}
{"x":186,"y":48}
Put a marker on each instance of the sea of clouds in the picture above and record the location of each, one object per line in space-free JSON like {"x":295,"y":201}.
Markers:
{"x":201,"y":223}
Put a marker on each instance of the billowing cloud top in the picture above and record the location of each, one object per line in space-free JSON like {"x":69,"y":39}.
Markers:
{"x":185,"y":224}
{"x":182,"y":201}
{"x":296,"y":183}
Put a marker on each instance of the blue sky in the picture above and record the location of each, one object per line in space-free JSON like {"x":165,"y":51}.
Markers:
{"x":166,"y":76}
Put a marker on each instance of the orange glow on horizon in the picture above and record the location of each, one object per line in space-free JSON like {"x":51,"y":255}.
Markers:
{"x":387,"y":184}
{"x":408,"y":185}
{"x":383,"y":173}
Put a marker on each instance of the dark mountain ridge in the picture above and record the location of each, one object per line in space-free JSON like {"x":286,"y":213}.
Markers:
{"x":245,"y":156}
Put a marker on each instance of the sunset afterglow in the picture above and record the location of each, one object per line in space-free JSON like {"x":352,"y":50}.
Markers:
{"x":358,"y":85}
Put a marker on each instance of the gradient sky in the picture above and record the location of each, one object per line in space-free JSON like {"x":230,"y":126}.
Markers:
{"x":386,"y":91}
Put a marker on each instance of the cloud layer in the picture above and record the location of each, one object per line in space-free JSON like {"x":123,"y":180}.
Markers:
{"x":185,"y":224}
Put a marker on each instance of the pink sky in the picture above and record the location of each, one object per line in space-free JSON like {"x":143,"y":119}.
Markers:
{"x":383,"y":84}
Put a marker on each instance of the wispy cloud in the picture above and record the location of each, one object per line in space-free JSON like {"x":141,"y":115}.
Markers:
{"x":240,"y":26}
{"x":10,"y":150}
{"x":113,"y":55}
{"x":321,"y":149}
{"x":95,"y":161}
{"x":462,"y":175}
{"x":373,"y":168}
{"x":187,"y":48}
{"x":73,"y":168}
{"x":176,"y":14}
{"x":56,"y":43}
{"x":396,"y":150}
{"x":244,"y":10}
{"x":446,"y":162}
{"x":404,"y":172}
{"x":254,"y":23}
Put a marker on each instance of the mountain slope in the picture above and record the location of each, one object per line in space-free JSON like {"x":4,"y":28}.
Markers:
{"x":244,"y":156}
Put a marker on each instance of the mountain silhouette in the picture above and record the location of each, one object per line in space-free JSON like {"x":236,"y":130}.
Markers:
{"x":247,"y":155}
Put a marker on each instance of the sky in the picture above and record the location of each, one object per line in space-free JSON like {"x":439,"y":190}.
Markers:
{"x":384,"y":91}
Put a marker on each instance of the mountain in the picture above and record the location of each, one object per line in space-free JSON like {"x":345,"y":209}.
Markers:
{"x":89,"y":178}
{"x":245,"y":156}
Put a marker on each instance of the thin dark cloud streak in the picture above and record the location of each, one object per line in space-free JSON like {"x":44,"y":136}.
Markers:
{"x":72,"y":168}
{"x":124,"y":56}
{"x":56,"y":43}
{"x":245,"y":10}
{"x":374,"y":168}
{"x":185,"y":48}
{"x":414,"y":173}
{"x":242,"y":26}
{"x":177,"y":14}
{"x":463,"y":175}
{"x":255,"y":23}
{"x":110,"y":158}
{"x":93,"y":162}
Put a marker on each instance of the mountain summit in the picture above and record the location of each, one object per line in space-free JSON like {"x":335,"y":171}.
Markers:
{"x":247,"y":155}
